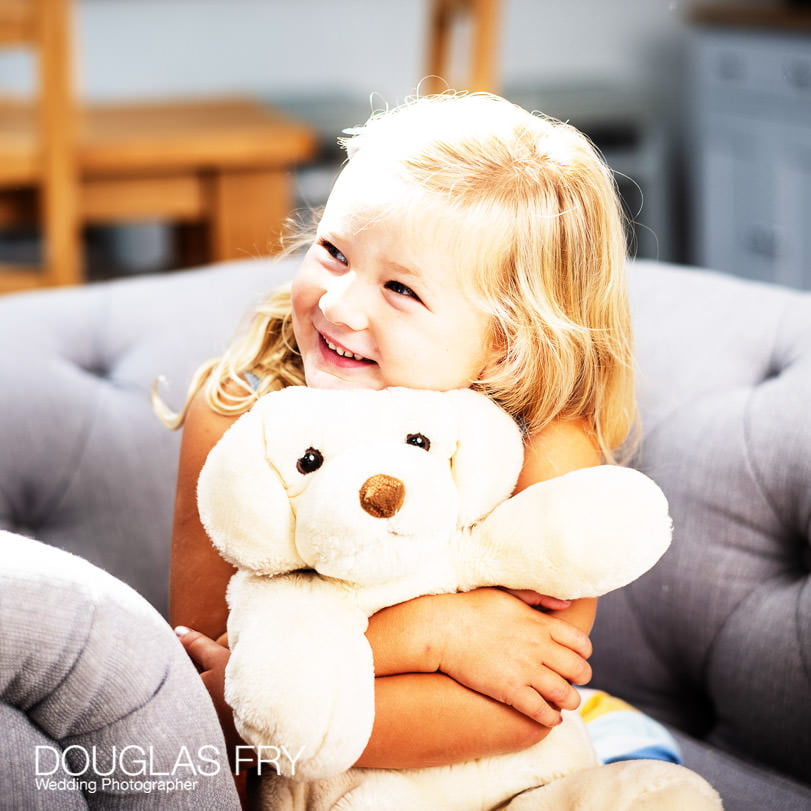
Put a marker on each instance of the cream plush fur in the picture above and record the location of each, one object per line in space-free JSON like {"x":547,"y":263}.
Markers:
{"x":334,"y":504}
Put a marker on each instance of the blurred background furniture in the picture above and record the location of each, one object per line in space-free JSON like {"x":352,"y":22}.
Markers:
{"x":463,"y":45}
{"x":460,"y":40}
{"x":222,"y":167}
{"x":46,"y":162}
{"x":624,"y":73}
{"x":751,"y":101}
{"x":625,"y":124}
{"x":715,"y":640}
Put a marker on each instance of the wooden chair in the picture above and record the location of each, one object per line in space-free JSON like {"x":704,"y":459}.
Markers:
{"x":28,"y":159}
{"x":223,"y":163}
{"x":477,"y":21}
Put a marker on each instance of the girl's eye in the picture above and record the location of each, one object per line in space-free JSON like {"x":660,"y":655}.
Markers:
{"x":333,"y":252}
{"x":401,"y":289}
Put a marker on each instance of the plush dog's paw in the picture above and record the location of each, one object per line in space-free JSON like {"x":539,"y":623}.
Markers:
{"x":301,"y":678}
{"x":582,"y":534}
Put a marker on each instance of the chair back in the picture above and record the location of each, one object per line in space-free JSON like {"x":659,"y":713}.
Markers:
{"x":451,"y":24}
{"x":38,"y":175}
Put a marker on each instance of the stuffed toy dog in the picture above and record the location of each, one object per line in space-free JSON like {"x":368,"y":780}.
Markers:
{"x":335,"y":504}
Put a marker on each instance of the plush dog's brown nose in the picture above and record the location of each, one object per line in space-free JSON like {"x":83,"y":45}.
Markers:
{"x":381,"y":496}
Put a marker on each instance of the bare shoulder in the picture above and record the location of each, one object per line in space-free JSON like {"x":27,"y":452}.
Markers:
{"x":202,"y":429}
{"x":563,"y":446}
{"x":203,"y":422}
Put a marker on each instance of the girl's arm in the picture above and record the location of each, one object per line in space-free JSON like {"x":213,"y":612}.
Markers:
{"x":429,"y":719}
{"x":198,"y":575}
{"x":560,"y":448}
{"x":425,"y":717}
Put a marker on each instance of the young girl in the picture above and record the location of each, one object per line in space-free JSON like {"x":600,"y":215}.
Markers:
{"x":466,"y":242}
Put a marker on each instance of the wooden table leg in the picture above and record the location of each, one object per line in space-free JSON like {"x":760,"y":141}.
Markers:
{"x":249,"y":211}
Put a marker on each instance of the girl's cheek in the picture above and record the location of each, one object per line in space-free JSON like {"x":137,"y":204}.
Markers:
{"x":302,"y":290}
{"x":310,"y":279}
{"x":299,"y":308}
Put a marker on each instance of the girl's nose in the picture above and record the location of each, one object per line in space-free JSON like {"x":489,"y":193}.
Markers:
{"x":342,"y":302}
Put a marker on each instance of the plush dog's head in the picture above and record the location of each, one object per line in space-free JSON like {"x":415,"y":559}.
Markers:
{"x":359,"y":485}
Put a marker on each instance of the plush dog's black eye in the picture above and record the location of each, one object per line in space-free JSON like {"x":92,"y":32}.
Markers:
{"x":419,"y":441}
{"x":310,"y":462}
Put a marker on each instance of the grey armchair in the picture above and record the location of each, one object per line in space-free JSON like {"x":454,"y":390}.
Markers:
{"x":715,"y":641}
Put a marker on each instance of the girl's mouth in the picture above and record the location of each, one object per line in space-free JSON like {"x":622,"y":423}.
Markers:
{"x":342,"y":352}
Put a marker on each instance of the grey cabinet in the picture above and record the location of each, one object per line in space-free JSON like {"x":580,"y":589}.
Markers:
{"x":751,"y":153}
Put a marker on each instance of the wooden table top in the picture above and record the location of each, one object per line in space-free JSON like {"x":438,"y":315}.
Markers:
{"x":162,"y":136}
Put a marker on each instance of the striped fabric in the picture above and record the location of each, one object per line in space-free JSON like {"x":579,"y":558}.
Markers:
{"x":621,"y":732}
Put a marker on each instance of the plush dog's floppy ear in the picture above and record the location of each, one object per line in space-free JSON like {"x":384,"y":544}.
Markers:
{"x":243,"y":503}
{"x":489,"y":454}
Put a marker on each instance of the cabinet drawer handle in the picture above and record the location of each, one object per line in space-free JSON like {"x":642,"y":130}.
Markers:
{"x":798,"y":74}
{"x":762,"y":242}
{"x":731,"y":67}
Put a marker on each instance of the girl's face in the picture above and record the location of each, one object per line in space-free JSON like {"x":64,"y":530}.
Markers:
{"x":374,"y":305}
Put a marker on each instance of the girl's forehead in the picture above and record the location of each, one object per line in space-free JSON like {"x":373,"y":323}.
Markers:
{"x":370,"y":192}
{"x":370,"y":195}
{"x":363,"y":199}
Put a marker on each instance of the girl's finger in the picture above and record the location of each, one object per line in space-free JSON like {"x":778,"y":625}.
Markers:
{"x":571,"y":637}
{"x":203,"y":650}
{"x":550,"y":603}
{"x":555,"y":690}
{"x":528,"y":701}
{"x":569,"y":665}
{"x":537,"y":600}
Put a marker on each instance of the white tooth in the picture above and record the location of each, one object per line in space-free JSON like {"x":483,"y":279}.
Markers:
{"x":344,"y":353}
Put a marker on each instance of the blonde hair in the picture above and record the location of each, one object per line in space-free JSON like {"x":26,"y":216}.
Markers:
{"x":530,"y":215}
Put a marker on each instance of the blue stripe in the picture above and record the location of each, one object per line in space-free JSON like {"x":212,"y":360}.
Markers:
{"x":647,"y":753}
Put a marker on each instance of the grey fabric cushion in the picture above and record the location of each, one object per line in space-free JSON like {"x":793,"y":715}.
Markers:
{"x":87,"y":669}
{"x":717,"y":638}
{"x":744,"y":785}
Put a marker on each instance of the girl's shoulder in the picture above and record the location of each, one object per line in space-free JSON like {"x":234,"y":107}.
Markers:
{"x":562,"y":446}
{"x":203,"y":422}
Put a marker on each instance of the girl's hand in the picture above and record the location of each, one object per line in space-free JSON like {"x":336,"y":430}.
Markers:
{"x":211,"y":657}
{"x":541,"y":601}
{"x":496,"y":644}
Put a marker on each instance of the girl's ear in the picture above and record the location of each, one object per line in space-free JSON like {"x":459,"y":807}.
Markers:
{"x":242,"y":500}
{"x":489,"y":454}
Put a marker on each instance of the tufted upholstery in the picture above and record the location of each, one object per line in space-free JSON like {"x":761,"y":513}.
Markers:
{"x":716,"y":640}
{"x":85,"y":464}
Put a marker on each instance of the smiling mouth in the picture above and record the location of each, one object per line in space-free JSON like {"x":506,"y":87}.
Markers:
{"x":343,"y":352}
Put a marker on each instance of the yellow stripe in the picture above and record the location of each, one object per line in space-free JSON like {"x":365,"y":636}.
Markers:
{"x":602,"y":704}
